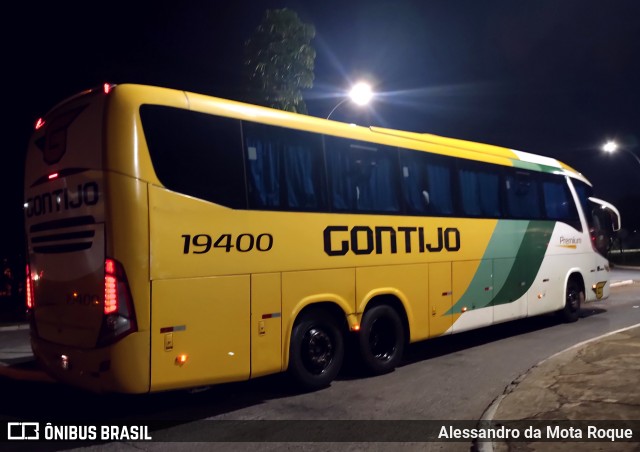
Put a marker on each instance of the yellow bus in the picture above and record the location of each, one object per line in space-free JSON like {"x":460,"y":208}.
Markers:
{"x":177,"y":240}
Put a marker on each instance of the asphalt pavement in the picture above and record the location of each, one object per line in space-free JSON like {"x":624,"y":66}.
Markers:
{"x":588,"y":392}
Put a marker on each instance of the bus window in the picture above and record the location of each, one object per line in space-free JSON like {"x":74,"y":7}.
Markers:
{"x":479,"y":191}
{"x":605,"y":220}
{"x":284,"y":168}
{"x":558,"y":204}
{"x":196,"y":154}
{"x":362,"y":176}
{"x":426,"y":183}
{"x":523,"y":200}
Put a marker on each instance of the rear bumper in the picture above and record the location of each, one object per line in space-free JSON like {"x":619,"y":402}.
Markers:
{"x":116,"y":368}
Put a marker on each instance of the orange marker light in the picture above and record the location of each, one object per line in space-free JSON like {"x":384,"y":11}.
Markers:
{"x":182,"y":359}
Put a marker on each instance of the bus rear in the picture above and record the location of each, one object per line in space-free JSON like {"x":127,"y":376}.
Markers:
{"x":79,"y":300}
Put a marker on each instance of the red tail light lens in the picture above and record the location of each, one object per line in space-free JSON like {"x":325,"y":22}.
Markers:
{"x":29,"y":289}
{"x":119,"y":318}
{"x":110,"y":287}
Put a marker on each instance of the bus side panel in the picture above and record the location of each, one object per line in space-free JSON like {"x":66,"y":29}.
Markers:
{"x":473,"y":293}
{"x":301,"y":289}
{"x":409,"y":283}
{"x":440,"y":298}
{"x":266,"y":324}
{"x":546,"y":293}
{"x":128,"y":238}
{"x":508,"y":282}
{"x":597,"y":284}
{"x":206,"y":319}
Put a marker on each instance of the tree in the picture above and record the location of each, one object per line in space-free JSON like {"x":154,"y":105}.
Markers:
{"x":279,"y":61}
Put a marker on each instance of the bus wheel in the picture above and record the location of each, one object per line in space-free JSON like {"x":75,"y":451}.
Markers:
{"x":317,"y":350}
{"x":381,"y":339}
{"x":573,"y":299}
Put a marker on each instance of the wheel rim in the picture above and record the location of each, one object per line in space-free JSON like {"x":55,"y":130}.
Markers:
{"x":573,"y":299}
{"x":382,"y":339}
{"x":317,"y":350}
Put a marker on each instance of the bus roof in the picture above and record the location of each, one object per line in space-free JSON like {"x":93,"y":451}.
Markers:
{"x":419,"y":141}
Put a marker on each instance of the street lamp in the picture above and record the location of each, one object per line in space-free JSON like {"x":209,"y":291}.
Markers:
{"x":360,"y":94}
{"x":611,"y":146}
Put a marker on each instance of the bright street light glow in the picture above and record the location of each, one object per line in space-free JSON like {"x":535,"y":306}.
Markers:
{"x":610,"y":146}
{"x":361,"y":93}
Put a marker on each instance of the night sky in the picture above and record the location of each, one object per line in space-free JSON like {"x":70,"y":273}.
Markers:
{"x":553,"y":77}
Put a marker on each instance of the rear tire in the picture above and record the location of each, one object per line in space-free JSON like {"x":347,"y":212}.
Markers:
{"x":574,"y":297}
{"x":316,"y":352}
{"x":381,"y":339}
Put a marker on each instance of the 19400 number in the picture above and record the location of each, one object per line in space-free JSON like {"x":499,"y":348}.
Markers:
{"x":203,"y":243}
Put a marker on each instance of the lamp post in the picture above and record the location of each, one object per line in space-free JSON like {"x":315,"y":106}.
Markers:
{"x":360,"y":94}
{"x":611,"y":147}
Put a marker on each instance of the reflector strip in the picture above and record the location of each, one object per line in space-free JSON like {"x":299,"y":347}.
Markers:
{"x":271,"y":316}
{"x":171,"y":329}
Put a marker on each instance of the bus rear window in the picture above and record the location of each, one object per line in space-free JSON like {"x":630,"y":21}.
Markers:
{"x":196,"y":154}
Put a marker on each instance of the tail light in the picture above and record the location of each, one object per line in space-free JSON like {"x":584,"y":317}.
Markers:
{"x":29,"y":299}
{"x":118,"y":315}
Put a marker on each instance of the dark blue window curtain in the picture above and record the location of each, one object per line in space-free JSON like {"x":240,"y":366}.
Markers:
{"x":341,"y":177}
{"x":469,"y":193}
{"x":480,"y":192}
{"x":302,"y":176}
{"x":284,"y":168}
{"x":263,"y":163}
{"x":522,"y":196}
{"x":555,"y":201}
{"x":362,"y":176}
{"x":426,"y":183}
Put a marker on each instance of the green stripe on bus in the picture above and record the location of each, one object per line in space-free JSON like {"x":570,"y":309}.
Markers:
{"x":526,"y":264}
{"x":535,"y":166}
{"x":513,"y":257}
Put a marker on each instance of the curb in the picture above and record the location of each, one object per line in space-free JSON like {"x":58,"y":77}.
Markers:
{"x":626,"y":282}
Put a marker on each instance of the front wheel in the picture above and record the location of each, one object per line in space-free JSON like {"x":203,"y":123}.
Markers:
{"x":381,"y":339}
{"x":574,"y":297}
{"x":316,"y":353}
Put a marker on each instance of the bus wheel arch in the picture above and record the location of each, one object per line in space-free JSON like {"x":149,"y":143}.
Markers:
{"x":383,"y":335}
{"x":574,"y":297}
{"x":317,"y":346}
